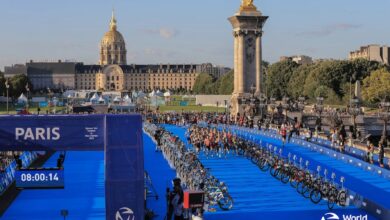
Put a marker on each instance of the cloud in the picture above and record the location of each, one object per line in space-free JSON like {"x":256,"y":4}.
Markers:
{"x":330,"y":29}
{"x":163,"y":32}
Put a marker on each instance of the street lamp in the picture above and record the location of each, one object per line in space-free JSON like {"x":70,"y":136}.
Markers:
{"x":286,"y":106}
{"x":28,"y":95}
{"x":273,"y":106}
{"x":301,"y":106}
{"x":354,"y":110}
{"x":319,"y":107}
{"x":385,"y":116}
{"x":7,"y":87}
{"x":217,"y":106}
{"x":225,"y":105}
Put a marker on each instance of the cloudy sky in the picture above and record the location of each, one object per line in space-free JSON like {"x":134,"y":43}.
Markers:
{"x":185,"y":31}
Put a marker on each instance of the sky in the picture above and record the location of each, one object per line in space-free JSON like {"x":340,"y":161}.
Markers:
{"x":185,"y":31}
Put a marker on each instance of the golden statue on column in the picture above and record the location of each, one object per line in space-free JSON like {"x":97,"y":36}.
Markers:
{"x":247,"y":5}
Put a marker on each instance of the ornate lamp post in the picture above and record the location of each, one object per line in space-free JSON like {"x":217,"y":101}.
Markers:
{"x":28,"y":95}
{"x":279,"y":108}
{"x":354,"y":110}
{"x":7,"y":87}
{"x":319,"y":107}
{"x":272,"y":103}
{"x":385,"y":116}
{"x":262,"y":103}
{"x":301,"y":106}
{"x":286,"y":106}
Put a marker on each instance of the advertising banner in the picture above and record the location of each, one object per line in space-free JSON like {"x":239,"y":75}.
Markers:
{"x":30,"y":133}
{"x":120,"y":136}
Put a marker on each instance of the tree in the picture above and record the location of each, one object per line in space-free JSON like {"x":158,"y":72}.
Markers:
{"x":18,"y":85}
{"x":226,"y":84}
{"x":278,"y":77}
{"x":203,"y":84}
{"x":376,"y":87}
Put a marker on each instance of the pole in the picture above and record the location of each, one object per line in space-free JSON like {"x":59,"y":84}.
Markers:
{"x":7,"y":99}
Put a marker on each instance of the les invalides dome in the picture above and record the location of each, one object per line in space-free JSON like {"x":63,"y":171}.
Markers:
{"x":113,"y":46}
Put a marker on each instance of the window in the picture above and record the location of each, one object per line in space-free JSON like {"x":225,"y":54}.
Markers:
{"x":117,"y":78}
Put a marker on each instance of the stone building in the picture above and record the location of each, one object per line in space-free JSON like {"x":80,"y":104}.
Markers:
{"x":372,"y":52}
{"x":112,"y":73}
{"x":299,"y":59}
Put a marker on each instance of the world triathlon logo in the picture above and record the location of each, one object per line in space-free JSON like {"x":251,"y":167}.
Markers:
{"x":333,"y":216}
{"x":330,"y":216}
{"x":124,"y":213}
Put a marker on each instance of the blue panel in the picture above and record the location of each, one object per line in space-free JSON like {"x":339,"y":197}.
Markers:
{"x":124,"y":167}
{"x":39,"y":178}
{"x":28,"y":133}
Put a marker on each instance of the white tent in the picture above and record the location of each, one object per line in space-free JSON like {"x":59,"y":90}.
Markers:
{"x":127,"y":99}
{"x":101,"y":100}
{"x":117,"y":99}
{"x":94,"y":98}
{"x":141,"y":94}
{"x":159,"y":93}
{"x":134,"y":94}
{"x":167,"y":94}
{"x":22,"y":98}
{"x":152,"y":94}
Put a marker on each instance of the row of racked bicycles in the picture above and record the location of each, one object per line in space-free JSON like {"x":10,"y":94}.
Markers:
{"x":316,"y":186}
{"x":191,"y":171}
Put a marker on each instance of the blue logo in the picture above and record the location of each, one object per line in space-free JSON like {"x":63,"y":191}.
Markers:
{"x":330,"y":216}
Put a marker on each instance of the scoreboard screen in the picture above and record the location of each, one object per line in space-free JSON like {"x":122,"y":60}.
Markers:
{"x":40,"y":178}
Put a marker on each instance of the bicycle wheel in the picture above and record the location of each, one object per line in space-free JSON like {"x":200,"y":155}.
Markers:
{"x":306,"y":191}
{"x":300,"y":186}
{"x":315,"y":196}
{"x":274,"y":171}
{"x":263,"y":165}
{"x":331,"y":201}
{"x":342,"y":198}
{"x":225,"y":203}
{"x":284,"y":177}
{"x":255,"y":159}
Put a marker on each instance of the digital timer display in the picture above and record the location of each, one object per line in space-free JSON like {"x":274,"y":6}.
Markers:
{"x":40,"y":179}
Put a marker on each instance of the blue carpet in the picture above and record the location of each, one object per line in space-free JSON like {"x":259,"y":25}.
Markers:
{"x":84,"y":192}
{"x":365,"y":183}
{"x":83,"y":195}
{"x":161,"y":175}
{"x":258,"y":194}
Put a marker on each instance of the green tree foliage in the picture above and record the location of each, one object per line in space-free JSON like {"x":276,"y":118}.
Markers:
{"x":2,"y":84}
{"x":226,"y":84}
{"x":278,"y":77}
{"x":18,"y":85}
{"x":203,"y":84}
{"x":332,"y":78}
{"x":377,"y":86}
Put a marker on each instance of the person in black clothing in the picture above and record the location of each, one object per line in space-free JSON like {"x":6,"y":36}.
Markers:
{"x":381,"y":154}
{"x":343,"y":135}
{"x":175,"y":200}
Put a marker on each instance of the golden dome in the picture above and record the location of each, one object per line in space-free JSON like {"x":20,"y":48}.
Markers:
{"x":112,"y":36}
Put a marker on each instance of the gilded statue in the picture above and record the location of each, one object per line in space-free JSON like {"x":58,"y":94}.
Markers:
{"x":247,"y":5}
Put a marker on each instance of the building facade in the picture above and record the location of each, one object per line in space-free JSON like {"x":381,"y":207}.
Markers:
{"x":112,"y":73}
{"x":372,"y":52}
{"x":299,"y":59}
